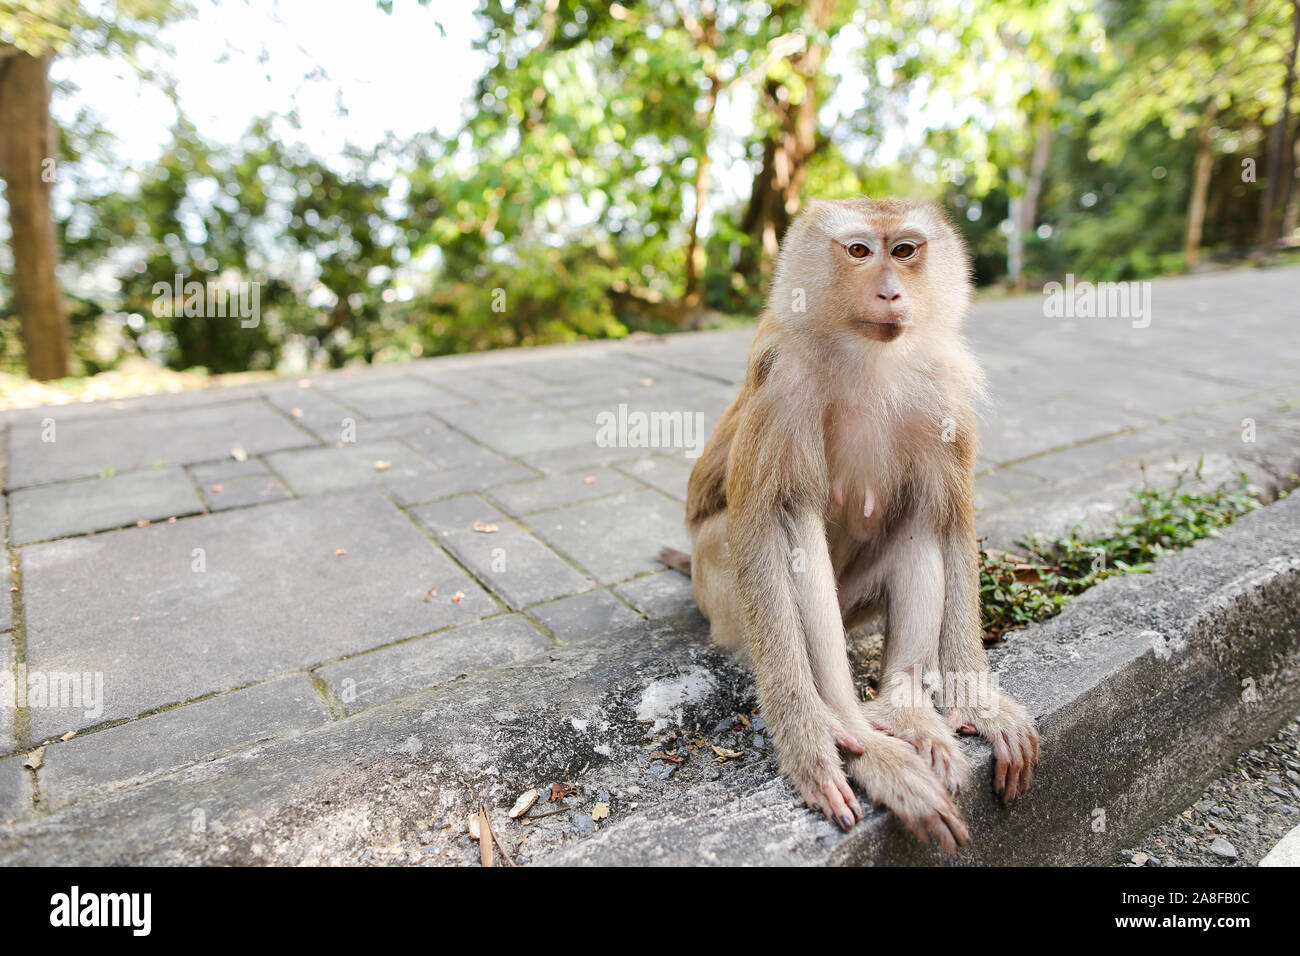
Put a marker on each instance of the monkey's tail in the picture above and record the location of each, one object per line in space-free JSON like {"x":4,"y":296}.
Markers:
{"x":677,"y":560}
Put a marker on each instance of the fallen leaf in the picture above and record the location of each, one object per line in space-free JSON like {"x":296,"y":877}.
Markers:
{"x":142,"y":523}
{"x":218,"y":489}
{"x":457,"y":597}
{"x":744,"y":720}
{"x":724,"y":754}
{"x":486,"y":843}
{"x":69,"y":735}
{"x":647,"y":382}
{"x":660,"y":755}
{"x":474,"y":831}
{"x":523,"y":804}
{"x":382,"y":465}
{"x":590,"y":480}
{"x":237,"y":452}
{"x":340,"y":552}
{"x":296,"y":413}
{"x":561,"y":790}
{"x":430,"y":594}
{"x":484,"y":527}
{"x":600,"y":811}
{"x":35,"y":759}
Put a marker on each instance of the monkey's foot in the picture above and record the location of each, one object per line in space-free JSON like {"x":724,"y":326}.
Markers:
{"x":827,"y":791}
{"x":924,"y":729}
{"x":895,"y":776}
{"x":1010,"y":730}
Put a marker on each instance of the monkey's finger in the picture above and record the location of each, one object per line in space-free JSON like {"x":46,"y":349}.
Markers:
{"x":1014,"y":765}
{"x":956,"y":829}
{"x":846,"y":741}
{"x":1027,"y":769}
{"x":851,"y":800}
{"x":837,"y":809}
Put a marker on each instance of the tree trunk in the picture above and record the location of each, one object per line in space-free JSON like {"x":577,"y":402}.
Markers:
{"x":27,"y":155}
{"x":1024,"y":211}
{"x":1292,"y":213}
{"x":1275,"y":194}
{"x":1200,"y":191}
{"x":775,"y":196}
{"x":696,"y":261}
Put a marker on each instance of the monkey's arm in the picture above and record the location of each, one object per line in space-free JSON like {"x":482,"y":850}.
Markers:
{"x":973,"y":703}
{"x":772,"y":510}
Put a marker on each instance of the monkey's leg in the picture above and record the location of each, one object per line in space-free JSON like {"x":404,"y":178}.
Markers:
{"x":889,"y":770}
{"x":971,"y":698}
{"x":712,"y":582}
{"x":913,"y":569}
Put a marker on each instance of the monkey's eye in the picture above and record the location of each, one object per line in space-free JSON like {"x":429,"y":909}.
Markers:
{"x":905,"y":250}
{"x":858,"y":250}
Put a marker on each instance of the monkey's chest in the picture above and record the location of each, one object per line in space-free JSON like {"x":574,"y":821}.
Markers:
{"x":874,"y":471}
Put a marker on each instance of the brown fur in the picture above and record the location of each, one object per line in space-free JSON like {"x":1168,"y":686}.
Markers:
{"x":858,"y":398}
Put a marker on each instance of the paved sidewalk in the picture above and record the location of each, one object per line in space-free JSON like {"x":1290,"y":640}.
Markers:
{"x":197,"y":573}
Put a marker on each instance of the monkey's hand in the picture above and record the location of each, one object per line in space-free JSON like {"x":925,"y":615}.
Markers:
{"x":895,"y":776}
{"x":923,"y":728}
{"x":829,"y":793}
{"x":1010,"y":730}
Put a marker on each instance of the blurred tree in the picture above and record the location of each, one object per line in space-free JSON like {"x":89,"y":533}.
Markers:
{"x":32,"y":32}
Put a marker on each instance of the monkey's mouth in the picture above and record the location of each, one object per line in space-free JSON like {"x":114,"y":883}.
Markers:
{"x":880,"y":331}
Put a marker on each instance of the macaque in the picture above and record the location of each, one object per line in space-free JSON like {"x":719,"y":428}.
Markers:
{"x":838,"y":487}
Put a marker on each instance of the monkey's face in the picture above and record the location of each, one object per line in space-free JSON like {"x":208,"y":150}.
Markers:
{"x":883,"y":268}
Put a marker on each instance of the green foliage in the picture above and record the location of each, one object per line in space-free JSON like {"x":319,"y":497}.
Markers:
{"x":1017,"y":591}
{"x":569,"y":195}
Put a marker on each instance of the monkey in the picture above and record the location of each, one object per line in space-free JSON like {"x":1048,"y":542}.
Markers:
{"x":837,"y":488}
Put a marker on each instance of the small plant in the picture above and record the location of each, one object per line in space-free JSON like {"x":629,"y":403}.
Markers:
{"x":1017,"y":590}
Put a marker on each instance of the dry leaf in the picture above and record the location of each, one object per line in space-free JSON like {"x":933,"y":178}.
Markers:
{"x":561,"y":790}
{"x":523,"y":804}
{"x":458,"y":597}
{"x":217,"y":489}
{"x":647,"y":382}
{"x":382,"y":465}
{"x":600,"y":811}
{"x":744,"y":720}
{"x":484,"y":527}
{"x":486,"y":843}
{"x":296,"y":413}
{"x":35,"y":759}
{"x":474,"y":831}
{"x":589,"y":480}
{"x":237,"y":452}
{"x":724,"y":754}
{"x":340,"y":552}
{"x":142,"y":523}
{"x":660,"y":755}
{"x":430,"y":594}
{"x":69,"y":735}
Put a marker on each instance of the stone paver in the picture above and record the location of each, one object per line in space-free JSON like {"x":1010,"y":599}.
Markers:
{"x":659,"y":594}
{"x":178,"y":737}
{"x":98,"y":504}
{"x":558,"y":490}
{"x":15,"y":789}
{"x":515,"y":565}
{"x":120,"y":442}
{"x":608,"y":536}
{"x":237,"y":484}
{"x":8,"y":695}
{"x":171,"y":612}
{"x":429,"y":661}
{"x":461,"y":513}
{"x":585,"y":616}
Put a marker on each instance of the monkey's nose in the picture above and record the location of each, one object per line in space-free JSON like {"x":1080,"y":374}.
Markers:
{"x":889,"y":296}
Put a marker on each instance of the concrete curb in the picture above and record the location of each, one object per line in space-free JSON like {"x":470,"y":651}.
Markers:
{"x":1138,"y":687}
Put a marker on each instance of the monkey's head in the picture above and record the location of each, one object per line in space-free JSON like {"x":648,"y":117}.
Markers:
{"x":876,"y":269}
